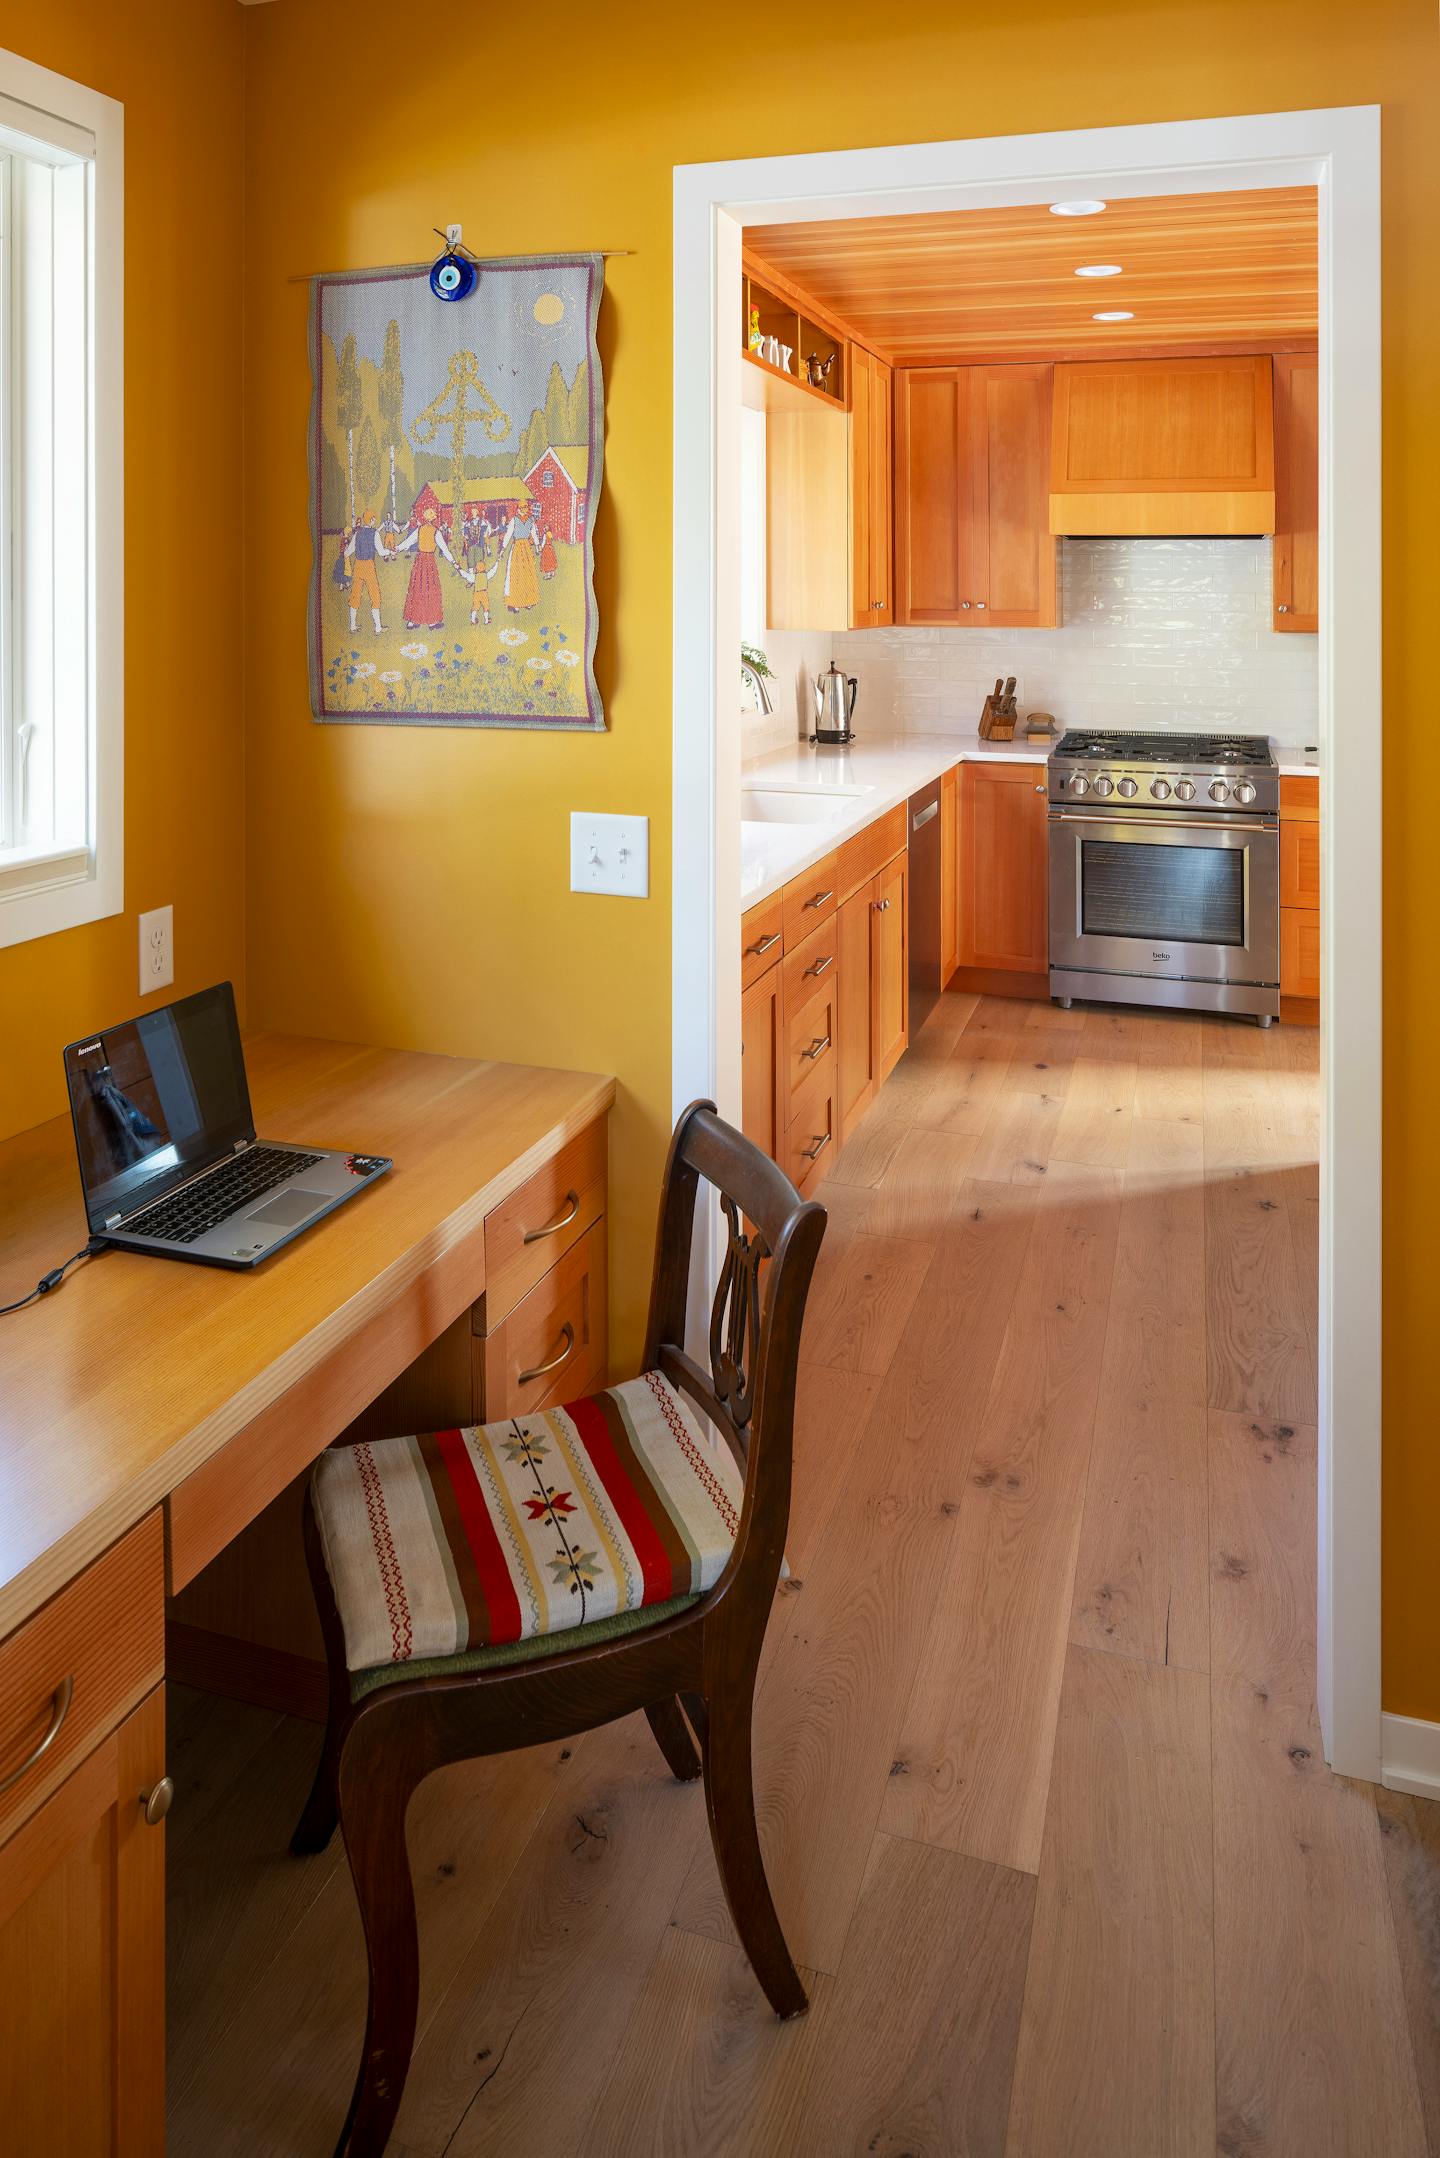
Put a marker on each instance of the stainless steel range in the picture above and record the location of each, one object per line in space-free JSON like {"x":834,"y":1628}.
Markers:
{"x":1165,"y":871}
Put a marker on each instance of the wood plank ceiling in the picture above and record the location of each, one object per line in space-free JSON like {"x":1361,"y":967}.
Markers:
{"x":1214,"y":273}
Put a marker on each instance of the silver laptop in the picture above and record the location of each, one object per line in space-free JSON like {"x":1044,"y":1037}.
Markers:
{"x":169,"y":1160}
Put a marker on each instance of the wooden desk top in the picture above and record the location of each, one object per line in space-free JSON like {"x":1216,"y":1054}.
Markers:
{"x":121,"y":1383}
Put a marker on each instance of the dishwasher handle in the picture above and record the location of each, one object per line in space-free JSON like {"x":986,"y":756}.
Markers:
{"x":923,"y":816}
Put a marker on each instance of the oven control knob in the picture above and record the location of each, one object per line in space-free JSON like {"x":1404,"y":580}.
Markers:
{"x":1079,"y":784}
{"x":1219,"y":788}
{"x":1184,"y":790}
{"x":1104,"y":784}
{"x":1128,"y":788}
{"x":1245,"y":792}
{"x":1160,"y":788}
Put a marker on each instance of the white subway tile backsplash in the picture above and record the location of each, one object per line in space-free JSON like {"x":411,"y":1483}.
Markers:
{"x":1154,"y":633}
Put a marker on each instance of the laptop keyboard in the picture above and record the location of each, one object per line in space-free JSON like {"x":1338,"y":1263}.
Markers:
{"x":210,"y":1199}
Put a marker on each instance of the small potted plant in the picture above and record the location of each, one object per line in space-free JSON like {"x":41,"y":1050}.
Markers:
{"x":755,"y":672}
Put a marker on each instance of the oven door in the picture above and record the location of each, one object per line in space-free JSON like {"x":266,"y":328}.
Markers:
{"x":1170,"y":897}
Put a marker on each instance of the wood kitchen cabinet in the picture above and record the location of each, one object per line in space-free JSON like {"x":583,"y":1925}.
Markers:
{"x":1002,"y":868}
{"x":1300,"y":898}
{"x":857,"y":1074}
{"x":1296,"y":551}
{"x":890,"y":965}
{"x":1163,"y":446}
{"x":973,"y":547}
{"x":762,"y":1064}
{"x":871,"y":470}
{"x":949,"y":874}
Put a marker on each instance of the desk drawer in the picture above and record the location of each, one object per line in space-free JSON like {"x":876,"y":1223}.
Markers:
{"x":761,"y":931}
{"x":528,"y":1232}
{"x":559,"y":1325}
{"x":809,"y":900}
{"x":105,"y":1636}
{"x":813,"y":964}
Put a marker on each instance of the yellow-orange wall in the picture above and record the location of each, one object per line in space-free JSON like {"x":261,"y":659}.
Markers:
{"x":179,"y":71}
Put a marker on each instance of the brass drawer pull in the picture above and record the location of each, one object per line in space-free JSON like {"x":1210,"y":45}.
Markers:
{"x":59,"y":1710}
{"x":817,"y":1048}
{"x":813,"y":1153}
{"x":819,"y":898}
{"x":562,"y":1221}
{"x":753,"y":951}
{"x":821,"y":964}
{"x":568,"y":1332}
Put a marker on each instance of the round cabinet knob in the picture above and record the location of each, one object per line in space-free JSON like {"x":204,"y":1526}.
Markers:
{"x":1184,"y":790}
{"x":1218,"y":790}
{"x":1245,"y":792}
{"x":157,"y":1802}
{"x":1128,"y":788}
{"x":980,"y":606}
{"x":1283,"y":608}
{"x":1079,"y":784}
{"x":1104,"y":784}
{"x":965,"y":606}
{"x":1160,"y":788}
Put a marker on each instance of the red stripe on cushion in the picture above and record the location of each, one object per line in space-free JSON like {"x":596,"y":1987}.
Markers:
{"x":501,"y":1601}
{"x":656,"y":1570}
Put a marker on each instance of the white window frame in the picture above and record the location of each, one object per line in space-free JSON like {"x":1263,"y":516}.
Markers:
{"x":79,"y":875}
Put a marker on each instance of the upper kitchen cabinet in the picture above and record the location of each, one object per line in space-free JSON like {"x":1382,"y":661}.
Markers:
{"x":871,"y":593}
{"x":1163,"y":447}
{"x":973,"y":547}
{"x":1297,"y":492}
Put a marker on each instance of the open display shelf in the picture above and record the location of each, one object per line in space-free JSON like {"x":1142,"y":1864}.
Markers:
{"x":781,"y":319}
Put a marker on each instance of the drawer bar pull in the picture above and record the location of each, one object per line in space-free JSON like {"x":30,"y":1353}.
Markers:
{"x":821,"y":964}
{"x":561,"y":1221}
{"x":817,"y":1048}
{"x":813,"y":1153}
{"x":818,"y":899}
{"x":753,"y":951}
{"x":568,"y":1335}
{"x":59,"y":1710}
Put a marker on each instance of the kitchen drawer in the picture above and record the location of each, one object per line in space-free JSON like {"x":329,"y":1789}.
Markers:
{"x":1299,"y":951}
{"x":859,"y":858}
{"x":814,"y":1130}
{"x":559,"y":1325}
{"x":105,"y":1635}
{"x":1300,"y":795}
{"x":1299,"y":864}
{"x":810,"y":1037}
{"x":809,"y":900}
{"x":528,"y":1232}
{"x":761,"y":932}
{"x":812,"y":963}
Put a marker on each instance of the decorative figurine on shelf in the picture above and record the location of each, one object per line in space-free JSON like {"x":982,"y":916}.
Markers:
{"x":817,"y":371}
{"x":757,"y":335}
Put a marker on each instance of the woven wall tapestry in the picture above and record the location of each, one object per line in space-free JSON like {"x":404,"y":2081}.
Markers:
{"x":455,"y":452}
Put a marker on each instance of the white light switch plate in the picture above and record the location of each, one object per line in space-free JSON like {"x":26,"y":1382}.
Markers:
{"x":157,"y":949}
{"x":609,"y":854}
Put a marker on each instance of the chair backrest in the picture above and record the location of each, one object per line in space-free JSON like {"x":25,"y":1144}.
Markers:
{"x":772,"y":1242}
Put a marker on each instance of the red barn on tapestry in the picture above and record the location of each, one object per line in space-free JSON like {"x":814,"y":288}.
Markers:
{"x":557,"y":481}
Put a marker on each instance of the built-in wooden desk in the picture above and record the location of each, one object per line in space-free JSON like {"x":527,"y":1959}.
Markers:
{"x":151,"y":1412}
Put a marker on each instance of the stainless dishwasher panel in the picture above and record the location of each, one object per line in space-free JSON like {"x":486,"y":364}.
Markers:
{"x":924,"y":836}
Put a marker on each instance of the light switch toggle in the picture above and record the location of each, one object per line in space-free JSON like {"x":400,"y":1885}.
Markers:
{"x":609,"y":854}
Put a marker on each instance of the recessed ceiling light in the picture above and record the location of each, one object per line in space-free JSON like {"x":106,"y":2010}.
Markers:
{"x":1114,"y":314}
{"x":1099,"y":269}
{"x":1076,"y":209}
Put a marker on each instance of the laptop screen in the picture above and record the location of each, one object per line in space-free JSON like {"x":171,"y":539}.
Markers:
{"x":155,"y":1099}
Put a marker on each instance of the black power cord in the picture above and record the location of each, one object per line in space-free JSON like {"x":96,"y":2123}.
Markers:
{"x":56,"y":1275}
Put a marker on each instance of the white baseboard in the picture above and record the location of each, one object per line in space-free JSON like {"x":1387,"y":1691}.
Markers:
{"x":1410,"y":1756}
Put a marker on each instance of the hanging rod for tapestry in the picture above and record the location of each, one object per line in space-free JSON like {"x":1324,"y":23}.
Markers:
{"x":306,"y":277}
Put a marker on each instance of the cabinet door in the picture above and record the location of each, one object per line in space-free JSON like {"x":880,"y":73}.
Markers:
{"x":949,"y":873}
{"x":762,"y":1064}
{"x":82,"y":1958}
{"x":1296,"y":553}
{"x":933,"y":576}
{"x":882,"y":494}
{"x":890,"y":965}
{"x":1299,"y":951}
{"x":1004,"y":911}
{"x":1011,"y":550}
{"x":857,"y":1076}
{"x":1299,"y":864}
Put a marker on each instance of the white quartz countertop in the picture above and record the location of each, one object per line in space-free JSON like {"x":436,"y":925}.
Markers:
{"x":890,"y":768}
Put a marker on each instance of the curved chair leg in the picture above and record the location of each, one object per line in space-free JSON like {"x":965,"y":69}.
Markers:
{"x":672,"y":1736}
{"x":375,"y":1785}
{"x":730,"y":1801}
{"x":318,"y":1822}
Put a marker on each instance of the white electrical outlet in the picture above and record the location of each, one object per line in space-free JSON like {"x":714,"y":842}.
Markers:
{"x":609,"y":854}
{"x":157,"y":949}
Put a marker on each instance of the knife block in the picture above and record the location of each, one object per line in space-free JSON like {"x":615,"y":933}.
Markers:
{"x":996,"y":723}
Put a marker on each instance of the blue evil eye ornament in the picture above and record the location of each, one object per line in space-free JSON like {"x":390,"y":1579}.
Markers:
{"x":452,"y":276}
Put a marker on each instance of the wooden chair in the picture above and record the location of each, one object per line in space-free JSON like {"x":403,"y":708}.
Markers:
{"x":381,"y":1743}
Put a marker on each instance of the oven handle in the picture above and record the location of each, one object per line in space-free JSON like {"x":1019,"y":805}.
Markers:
{"x":1160,"y":820}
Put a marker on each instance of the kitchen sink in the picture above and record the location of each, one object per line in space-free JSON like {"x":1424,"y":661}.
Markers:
{"x":798,"y":804}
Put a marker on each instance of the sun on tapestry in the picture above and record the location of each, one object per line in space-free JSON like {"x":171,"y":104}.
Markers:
{"x":455,"y":467}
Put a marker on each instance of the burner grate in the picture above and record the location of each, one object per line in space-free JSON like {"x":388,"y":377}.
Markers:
{"x":1221,"y":749}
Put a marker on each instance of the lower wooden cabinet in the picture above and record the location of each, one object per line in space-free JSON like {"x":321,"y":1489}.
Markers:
{"x":1003,"y":868}
{"x":82,"y":1957}
{"x":814,"y":1131}
{"x":890,"y":965}
{"x":858,"y":1072}
{"x":949,"y":873}
{"x":1300,"y":893}
{"x":1300,"y":952}
{"x":762,"y":1063}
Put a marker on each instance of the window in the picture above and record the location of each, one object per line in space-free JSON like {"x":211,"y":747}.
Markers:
{"x":61,"y":627}
{"x":547,"y":477}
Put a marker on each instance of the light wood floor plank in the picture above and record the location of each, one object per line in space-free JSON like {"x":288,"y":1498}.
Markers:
{"x":1257,"y":1329}
{"x":1410,"y":1840}
{"x":1120,"y":1963}
{"x":858,"y":1310}
{"x":1142,"y":1579}
{"x":1095,"y":1123}
{"x":1313,"y":2059}
{"x":1155,"y":1338}
{"x":916,"y":1196}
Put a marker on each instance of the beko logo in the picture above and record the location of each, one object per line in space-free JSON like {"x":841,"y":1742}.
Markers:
{"x":1159,"y":955}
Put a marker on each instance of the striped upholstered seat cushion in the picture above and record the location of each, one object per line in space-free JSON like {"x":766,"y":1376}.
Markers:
{"x":466,"y":1540}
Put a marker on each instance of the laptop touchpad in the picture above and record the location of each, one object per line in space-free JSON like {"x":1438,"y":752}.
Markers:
{"x":288,"y":1207}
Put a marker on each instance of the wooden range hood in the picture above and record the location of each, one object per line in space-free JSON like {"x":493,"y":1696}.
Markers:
{"x":1163,"y":448}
